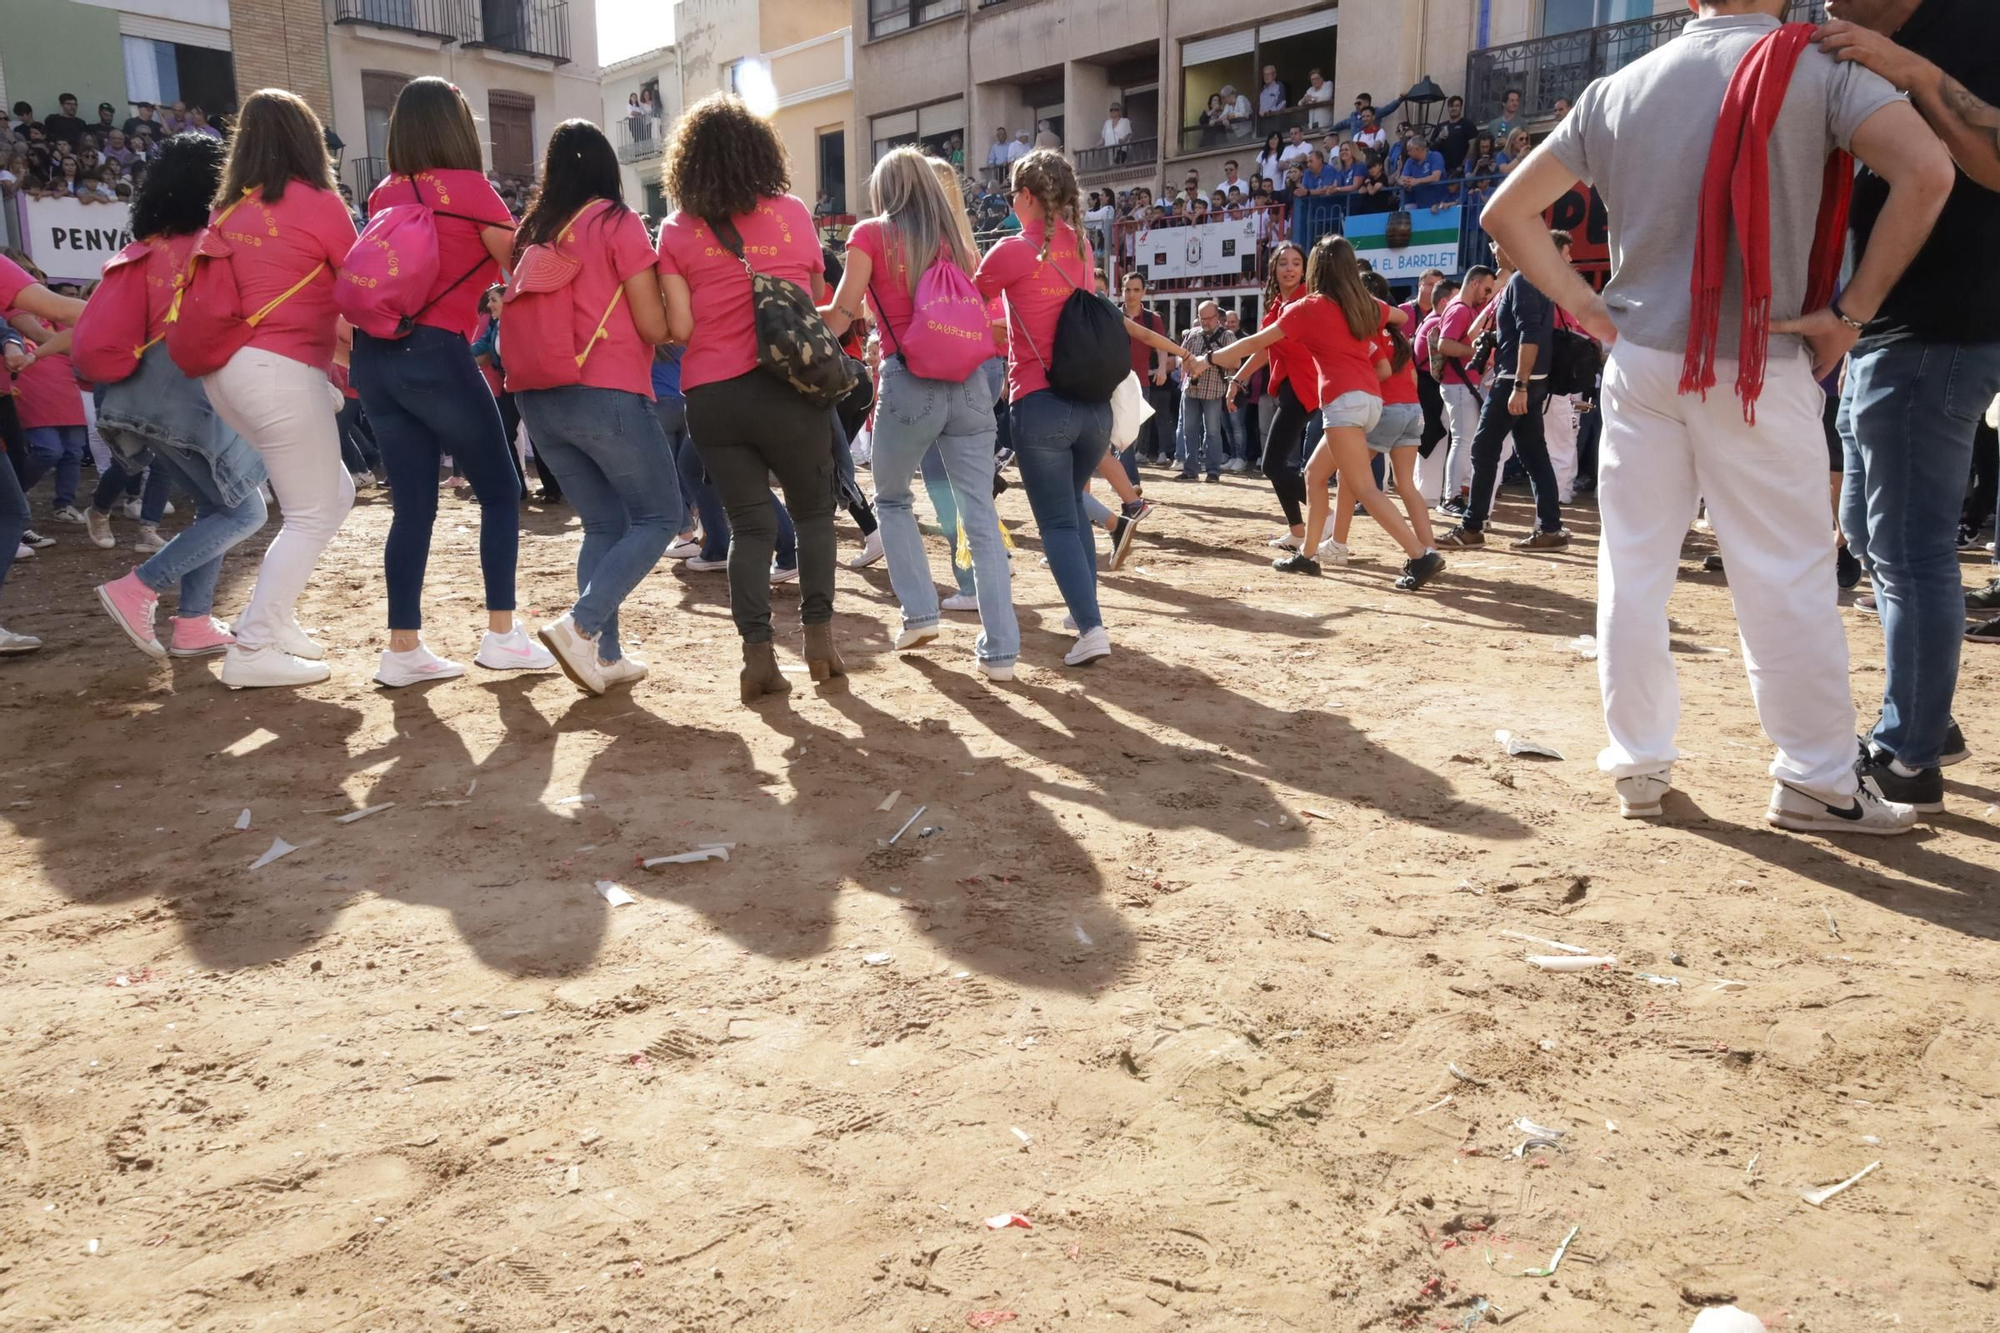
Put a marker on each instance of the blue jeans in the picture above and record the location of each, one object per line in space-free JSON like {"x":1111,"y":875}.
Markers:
{"x":193,"y":558}
{"x":1907,"y":418}
{"x":14,"y":517}
{"x":1201,"y":435}
{"x":1058,"y":444}
{"x":937,"y":485}
{"x":425,"y":398}
{"x":617,"y":470}
{"x":914,"y":416}
{"x":59,"y":449}
{"x":153,"y":505}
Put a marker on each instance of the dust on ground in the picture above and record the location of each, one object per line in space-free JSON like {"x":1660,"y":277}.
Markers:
{"x":1202,"y":970}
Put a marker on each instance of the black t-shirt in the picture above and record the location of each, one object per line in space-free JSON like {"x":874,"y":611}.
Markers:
{"x":69,"y":129}
{"x":1951,"y":291}
{"x":1453,"y":139}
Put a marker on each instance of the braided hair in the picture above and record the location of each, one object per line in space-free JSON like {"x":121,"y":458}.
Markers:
{"x":1047,"y":175}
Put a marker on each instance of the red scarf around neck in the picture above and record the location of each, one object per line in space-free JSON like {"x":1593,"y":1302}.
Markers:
{"x":1736,"y":190}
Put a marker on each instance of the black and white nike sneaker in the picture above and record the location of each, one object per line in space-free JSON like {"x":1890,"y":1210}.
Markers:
{"x":1921,"y":789}
{"x":1954,"y":750}
{"x":1864,"y":812}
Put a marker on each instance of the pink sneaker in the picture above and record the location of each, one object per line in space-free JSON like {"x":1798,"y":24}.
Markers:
{"x":131,"y":603}
{"x":199,"y":636}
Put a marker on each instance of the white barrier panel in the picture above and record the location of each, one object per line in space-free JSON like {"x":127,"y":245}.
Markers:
{"x":72,"y":241}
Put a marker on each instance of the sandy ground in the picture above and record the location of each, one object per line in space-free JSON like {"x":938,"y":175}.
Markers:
{"x":420,"y":1075}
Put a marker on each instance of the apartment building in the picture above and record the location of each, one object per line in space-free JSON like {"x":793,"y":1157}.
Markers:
{"x":524,"y":65}
{"x":642,"y":98}
{"x":791,"y":60}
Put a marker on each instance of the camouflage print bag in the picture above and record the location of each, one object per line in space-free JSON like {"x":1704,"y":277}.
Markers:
{"x":793,"y":342}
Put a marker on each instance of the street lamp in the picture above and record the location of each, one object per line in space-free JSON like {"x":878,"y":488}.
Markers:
{"x":1424,"y":94}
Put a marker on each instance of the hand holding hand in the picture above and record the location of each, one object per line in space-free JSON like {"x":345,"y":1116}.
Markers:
{"x":17,"y":359}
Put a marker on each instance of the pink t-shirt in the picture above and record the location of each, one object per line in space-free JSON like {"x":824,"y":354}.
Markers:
{"x":1458,"y":317}
{"x":1035,"y":292}
{"x":612,"y":249}
{"x":778,"y":240}
{"x":46,"y":394}
{"x":888,"y":280}
{"x":13,"y":279}
{"x":465,"y":194}
{"x":165,"y":262}
{"x":278,"y":243}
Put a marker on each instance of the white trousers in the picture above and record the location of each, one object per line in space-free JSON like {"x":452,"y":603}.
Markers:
{"x":1559,"y":431}
{"x":1767,"y":496}
{"x":1449,"y":468}
{"x":286,"y":409}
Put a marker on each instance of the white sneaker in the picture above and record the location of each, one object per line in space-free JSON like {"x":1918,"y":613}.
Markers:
{"x":911,"y":639}
{"x":1286,"y":541}
{"x":781,"y":575}
{"x":1089,"y":647}
{"x":24,"y":552}
{"x":997,"y":670}
{"x":297,"y":642}
{"x":12,"y":644}
{"x":129,"y":509}
{"x":703,"y":566}
{"x":99,"y":527}
{"x":29,"y":537}
{"x":149,"y":538}
{"x":627,"y":670}
{"x":684,"y":549}
{"x":960,"y":601}
{"x":1639,"y":795}
{"x":871,"y":551}
{"x":69,"y":514}
{"x":415,"y":667}
{"x":267,"y":665}
{"x":1333,"y":553}
{"x":1865,"y":812}
{"x":575,"y":653}
{"x":513,"y":651}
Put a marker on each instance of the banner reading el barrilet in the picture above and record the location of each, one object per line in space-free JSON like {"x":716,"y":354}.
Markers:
{"x":70,"y":240}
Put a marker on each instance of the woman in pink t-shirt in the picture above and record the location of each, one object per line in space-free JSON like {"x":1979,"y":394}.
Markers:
{"x":19,"y":291}
{"x":727,"y":169}
{"x":424,"y":394}
{"x":288,"y":227}
{"x":598,"y":432}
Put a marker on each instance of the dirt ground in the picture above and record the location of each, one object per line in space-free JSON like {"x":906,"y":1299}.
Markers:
{"x":1204,"y":971}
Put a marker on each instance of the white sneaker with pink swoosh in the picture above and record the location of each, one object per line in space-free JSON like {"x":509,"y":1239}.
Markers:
{"x":513,"y":651}
{"x":415,"y":667}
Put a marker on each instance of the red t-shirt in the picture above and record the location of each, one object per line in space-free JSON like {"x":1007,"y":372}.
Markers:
{"x":1457,"y":321}
{"x":165,"y":262}
{"x":1288,"y":364}
{"x":1036,"y":290}
{"x":612,"y":248}
{"x":276,"y":245}
{"x":1401,"y":386}
{"x":46,"y":393}
{"x":1142,"y":354}
{"x":778,"y":239}
{"x":1341,"y":362}
{"x":460,"y":248}
{"x":888,"y":279}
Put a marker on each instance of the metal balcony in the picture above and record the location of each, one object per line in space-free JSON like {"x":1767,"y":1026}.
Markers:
{"x":642,"y":146}
{"x":446,"y":20}
{"x":523,"y":27}
{"x":1133,"y":153}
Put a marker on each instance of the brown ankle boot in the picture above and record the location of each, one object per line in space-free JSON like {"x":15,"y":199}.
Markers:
{"x":822,"y":658}
{"x":760,"y":675}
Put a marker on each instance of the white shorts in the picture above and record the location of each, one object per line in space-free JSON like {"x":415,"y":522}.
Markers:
{"x":1356,"y":408}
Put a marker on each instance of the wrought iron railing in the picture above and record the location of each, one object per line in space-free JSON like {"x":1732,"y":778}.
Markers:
{"x":638,"y":140}
{"x":446,"y":20}
{"x":892,"y":16}
{"x":1559,"y":67}
{"x":1131,"y":153}
{"x":365,"y":173}
{"x":525,"y":27}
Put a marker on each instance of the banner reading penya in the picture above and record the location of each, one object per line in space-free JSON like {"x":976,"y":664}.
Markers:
{"x":72,"y":241}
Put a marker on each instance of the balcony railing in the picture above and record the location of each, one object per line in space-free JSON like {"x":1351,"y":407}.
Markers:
{"x":1560,"y":67}
{"x":1131,"y":153}
{"x":524,"y":27}
{"x":638,"y":140}
{"x":1220,"y":138}
{"x":364,"y":174}
{"x":893,"y":16}
{"x":446,"y":20}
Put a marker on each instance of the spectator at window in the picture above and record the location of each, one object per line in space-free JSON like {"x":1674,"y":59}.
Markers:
{"x":1296,"y":149}
{"x":1214,"y":122}
{"x":1561,"y":107}
{"x":1236,"y":117}
{"x":1509,"y":117}
{"x":1422,"y":176}
{"x":65,"y":126}
{"x":1000,"y":154}
{"x":1452,"y":136}
{"x":1273,"y":155}
{"x":1046,"y":137}
{"x":1318,"y":96}
{"x":1271,"y":96}
{"x":1369,"y":134}
{"x":1117,"y":133}
{"x":636,"y":123}
{"x":1020,"y":148}
{"x":142,"y":118}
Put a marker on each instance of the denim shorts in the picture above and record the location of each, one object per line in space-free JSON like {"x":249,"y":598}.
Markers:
{"x":1401,"y":424}
{"x":1356,"y":408}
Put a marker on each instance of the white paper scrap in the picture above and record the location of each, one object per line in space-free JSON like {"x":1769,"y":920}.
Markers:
{"x":716,"y":853}
{"x":363,"y":814}
{"x":585,"y":799}
{"x":279,"y":847}
{"x":243,"y":820}
{"x":889,"y":801}
{"x":614,"y":893}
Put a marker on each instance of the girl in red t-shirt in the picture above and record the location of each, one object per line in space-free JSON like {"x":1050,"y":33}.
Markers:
{"x":424,"y":394}
{"x":1293,"y":387}
{"x":20,"y":291}
{"x":598,"y":434}
{"x":1335,"y":324}
{"x":1398,"y":433}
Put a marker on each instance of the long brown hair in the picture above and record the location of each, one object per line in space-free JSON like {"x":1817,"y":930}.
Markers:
{"x":1272,"y":294}
{"x":432,"y":129}
{"x":1332,"y":271}
{"x":278,"y":140}
{"x":1047,"y":175}
{"x":1401,"y":352}
{"x":723,"y":158}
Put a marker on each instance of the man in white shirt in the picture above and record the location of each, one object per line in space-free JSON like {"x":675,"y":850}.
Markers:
{"x":1319,"y":96}
{"x":1296,"y":148}
{"x":1019,"y":148}
{"x":1230,"y":180}
{"x":1000,"y":154}
{"x":1117,"y":133}
{"x":1371,"y":135}
{"x":1270,"y":97}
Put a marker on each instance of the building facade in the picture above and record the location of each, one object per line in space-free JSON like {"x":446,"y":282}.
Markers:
{"x":524,"y":65}
{"x":126,"y":51}
{"x":791,"y":60}
{"x":642,"y":98}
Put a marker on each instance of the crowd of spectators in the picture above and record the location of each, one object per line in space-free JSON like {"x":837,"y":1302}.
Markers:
{"x":94,"y":161}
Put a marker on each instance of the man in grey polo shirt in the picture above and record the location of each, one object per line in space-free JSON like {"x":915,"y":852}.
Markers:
{"x":1642,"y":138}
